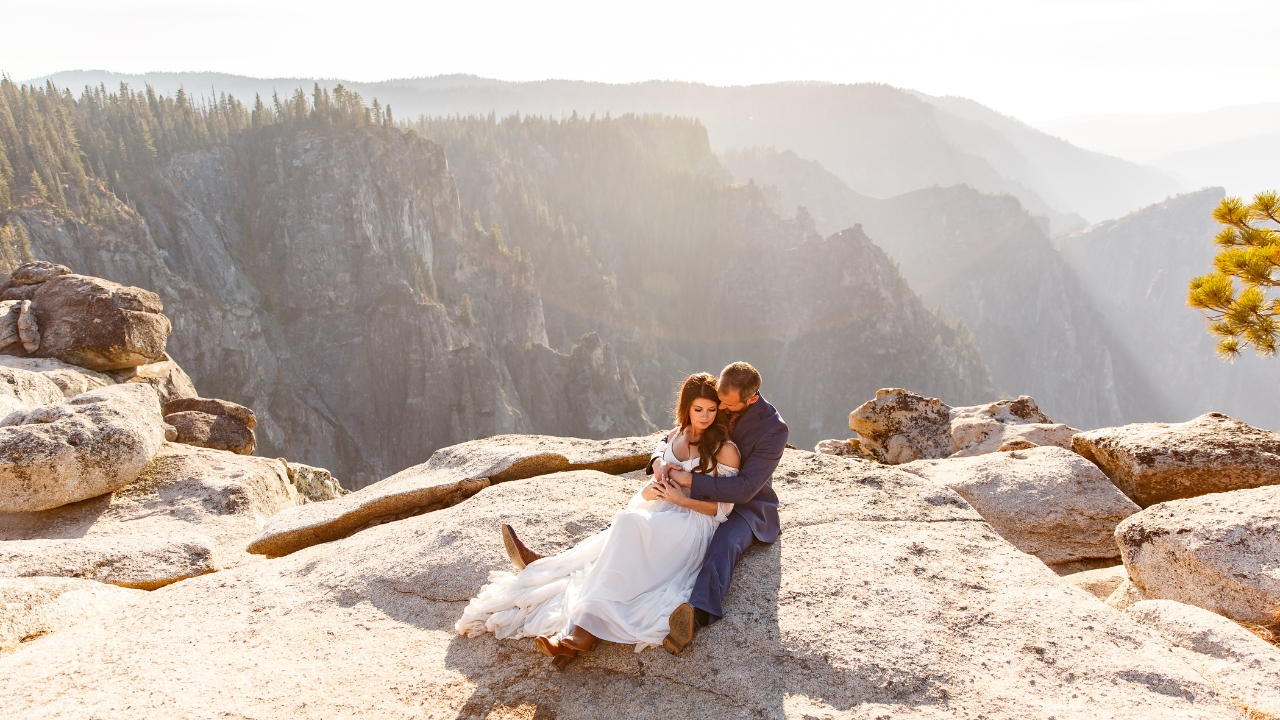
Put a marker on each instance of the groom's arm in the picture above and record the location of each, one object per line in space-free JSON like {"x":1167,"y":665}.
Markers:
{"x":755,"y":472}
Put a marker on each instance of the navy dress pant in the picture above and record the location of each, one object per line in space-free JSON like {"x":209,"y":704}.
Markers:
{"x":731,"y":539}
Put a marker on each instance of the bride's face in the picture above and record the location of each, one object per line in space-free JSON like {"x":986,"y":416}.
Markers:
{"x":702,"y":412}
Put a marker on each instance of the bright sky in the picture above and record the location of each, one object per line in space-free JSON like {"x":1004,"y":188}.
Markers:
{"x":1034,"y":59}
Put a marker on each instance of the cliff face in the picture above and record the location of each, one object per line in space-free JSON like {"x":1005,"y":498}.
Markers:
{"x":983,"y":259}
{"x":1136,"y":270}
{"x":683,"y":273}
{"x":322,"y":280}
{"x":332,"y":277}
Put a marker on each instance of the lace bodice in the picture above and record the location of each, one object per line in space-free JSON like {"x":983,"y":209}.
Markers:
{"x":721,"y":470}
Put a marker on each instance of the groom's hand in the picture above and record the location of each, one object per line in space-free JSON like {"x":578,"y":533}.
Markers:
{"x":681,"y":477}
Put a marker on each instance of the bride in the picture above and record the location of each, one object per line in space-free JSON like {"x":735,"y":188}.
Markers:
{"x":622,"y":583}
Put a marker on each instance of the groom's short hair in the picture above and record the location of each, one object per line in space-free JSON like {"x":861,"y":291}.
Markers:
{"x":742,"y":377}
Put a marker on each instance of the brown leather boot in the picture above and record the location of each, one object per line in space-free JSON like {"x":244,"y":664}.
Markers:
{"x":579,"y":639}
{"x":520,"y":555}
{"x":681,"y":631}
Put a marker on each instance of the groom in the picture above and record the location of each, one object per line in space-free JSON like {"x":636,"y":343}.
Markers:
{"x":761,"y":436}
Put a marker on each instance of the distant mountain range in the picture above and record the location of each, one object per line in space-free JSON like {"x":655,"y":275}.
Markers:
{"x":1237,"y":147}
{"x":881,"y":141}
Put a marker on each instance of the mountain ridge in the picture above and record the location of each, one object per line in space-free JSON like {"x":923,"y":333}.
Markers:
{"x":880,"y":140}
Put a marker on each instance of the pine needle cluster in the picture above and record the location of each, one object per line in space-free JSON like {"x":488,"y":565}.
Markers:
{"x":1250,"y":253}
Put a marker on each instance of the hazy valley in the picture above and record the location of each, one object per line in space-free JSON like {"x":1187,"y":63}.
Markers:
{"x":378,"y":287}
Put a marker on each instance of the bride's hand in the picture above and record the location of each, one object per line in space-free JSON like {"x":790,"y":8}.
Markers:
{"x":659,"y":470}
{"x":669,"y":491}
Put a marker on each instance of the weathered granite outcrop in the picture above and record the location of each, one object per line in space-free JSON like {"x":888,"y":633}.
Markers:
{"x":33,"y":607}
{"x":1220,"y":552}
{"x":1011,"y":424}
{"x":92,"y":444}
{"x":211,"y":423}
{"x":312,"y":483}
{"x":1155,"y":462}
{"x":450,"y":476}
{"x":1047,"y":501}
{"x":899,"y":426}
{"x":88,"y":321}
{"x":885,"y":596}
{"x":223,"y":497}
{"x":144,"y":562}
{"x":1237,"y":663}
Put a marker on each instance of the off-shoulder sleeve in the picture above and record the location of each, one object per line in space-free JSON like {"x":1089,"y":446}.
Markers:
{"x":723,"y":508}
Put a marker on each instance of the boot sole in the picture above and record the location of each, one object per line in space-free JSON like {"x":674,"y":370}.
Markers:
{"x":681,"y":631}
{"x":544,"y":646}
{"x":513,"y":552}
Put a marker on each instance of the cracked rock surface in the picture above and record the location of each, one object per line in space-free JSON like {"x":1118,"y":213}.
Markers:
{"x":885,"y":596}
{"x":451,"y":475}
{"x":224,"y":497}
{"x":1047,"y":501}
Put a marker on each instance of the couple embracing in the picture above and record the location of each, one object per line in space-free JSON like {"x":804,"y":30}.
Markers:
{"x":660,"y":571}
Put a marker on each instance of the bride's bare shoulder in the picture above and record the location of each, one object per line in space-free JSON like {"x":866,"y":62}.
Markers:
{"x":729,"y":455}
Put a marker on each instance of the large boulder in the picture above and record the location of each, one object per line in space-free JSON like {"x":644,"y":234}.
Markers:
{"x":219,"y":432}
{"x":899,"y":426}
{"x":1047,"y":501}
{"x":36,"y":272}
{"x":211,"y":423}
{"x":1005,"y":424}
{"x":31,"y":608}
{"x":1220,"y":552}
{"x":1156,"y":462}
{"x":95,"y":323}
{"x":92,"y":444}
{"x":451,"y":475}
{"x":212,"y":406}
{"x":885,"y":596}
{"x":143,"y":562}
{"x":1237,"y":663}
{"x":223,"y":497}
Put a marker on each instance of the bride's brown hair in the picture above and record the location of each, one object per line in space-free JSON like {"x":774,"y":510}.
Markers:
{"x":702,"y":385}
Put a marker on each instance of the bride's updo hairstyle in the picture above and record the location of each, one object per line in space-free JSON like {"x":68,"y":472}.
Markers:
{"x":702,"y":385}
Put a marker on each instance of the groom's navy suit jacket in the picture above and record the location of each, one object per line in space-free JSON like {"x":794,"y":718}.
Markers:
{"x":761,"y":436}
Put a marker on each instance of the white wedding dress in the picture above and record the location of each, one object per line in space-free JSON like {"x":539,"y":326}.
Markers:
{"x":620,"y":584}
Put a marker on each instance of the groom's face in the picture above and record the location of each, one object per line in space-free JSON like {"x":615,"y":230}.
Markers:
{"x":731,"y":402}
